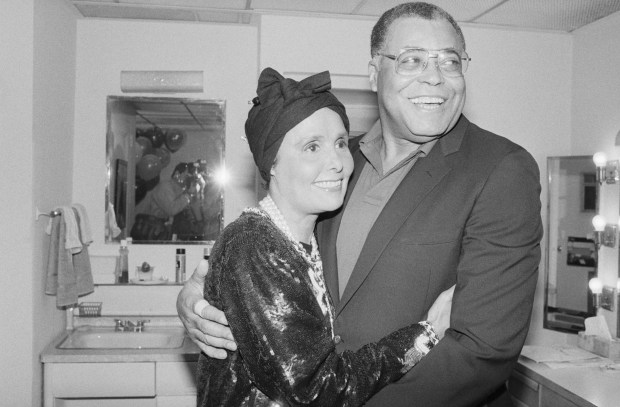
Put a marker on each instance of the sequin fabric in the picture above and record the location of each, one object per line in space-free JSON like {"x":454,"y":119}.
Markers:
{"x":270,"y":290}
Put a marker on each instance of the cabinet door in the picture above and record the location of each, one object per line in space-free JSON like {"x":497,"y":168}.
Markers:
{"x":176,"y":379}
{"x":523,"y":390}
{"x":549,"y":398}
{"x":106,"y":402}
{"x":176,"y":401}
{"x":93,"y":380}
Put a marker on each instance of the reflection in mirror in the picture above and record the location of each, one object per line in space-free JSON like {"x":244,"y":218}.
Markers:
{"x":571,"y":254}
{"x":165,"y":169}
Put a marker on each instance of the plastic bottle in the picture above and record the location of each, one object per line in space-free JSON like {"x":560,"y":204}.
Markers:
{"x":180,"y":269}
{"x":123,"y":263}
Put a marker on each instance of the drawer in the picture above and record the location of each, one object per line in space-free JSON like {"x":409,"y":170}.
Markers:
{"x":524,"y":389}
{"x":80,"y":380}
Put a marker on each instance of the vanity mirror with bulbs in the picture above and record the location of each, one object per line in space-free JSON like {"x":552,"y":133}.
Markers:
{"x":572,"y":257}
{"x":582,"y":230}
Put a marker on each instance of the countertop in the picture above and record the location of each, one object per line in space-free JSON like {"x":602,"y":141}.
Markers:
{"x":188,"y":352}
{"x":585,"y":386}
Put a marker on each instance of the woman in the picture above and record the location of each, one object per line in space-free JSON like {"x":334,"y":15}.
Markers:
{"x":266,"y":273}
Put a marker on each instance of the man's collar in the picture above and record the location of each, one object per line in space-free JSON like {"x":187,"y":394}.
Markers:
{"x":450,"y":142}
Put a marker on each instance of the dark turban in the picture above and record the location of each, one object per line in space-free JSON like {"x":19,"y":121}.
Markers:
{"x":281,"y":104}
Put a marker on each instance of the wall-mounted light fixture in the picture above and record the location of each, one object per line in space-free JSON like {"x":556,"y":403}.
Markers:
{"x":604,"y":233}
{"x":608,"y":294}
{"x":596,"y":288}
{"x":162,"y":81}
{"x":606,"y":171}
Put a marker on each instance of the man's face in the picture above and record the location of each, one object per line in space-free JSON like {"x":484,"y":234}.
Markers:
{"x":424,"y":106}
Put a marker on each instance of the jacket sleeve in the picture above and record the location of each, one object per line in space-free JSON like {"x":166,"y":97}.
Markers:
{"x":496,"y":279}
{"x":285,"y":340}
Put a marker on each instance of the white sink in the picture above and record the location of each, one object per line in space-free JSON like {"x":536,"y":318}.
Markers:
{"x":108,"y":338}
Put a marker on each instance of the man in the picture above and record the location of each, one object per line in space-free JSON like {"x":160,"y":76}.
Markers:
{"x":434,"y":201}
{"x":167,"y":199}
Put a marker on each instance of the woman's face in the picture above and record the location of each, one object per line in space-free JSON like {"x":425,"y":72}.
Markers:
{"x":312,"y":167}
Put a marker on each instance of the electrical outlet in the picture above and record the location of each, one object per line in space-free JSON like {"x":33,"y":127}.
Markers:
{"x":607,"y":298}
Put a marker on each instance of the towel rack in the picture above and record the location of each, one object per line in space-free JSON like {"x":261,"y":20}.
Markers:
{"x":52,"y":214}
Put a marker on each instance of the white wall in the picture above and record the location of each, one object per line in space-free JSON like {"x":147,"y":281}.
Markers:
{"x":53,"y":107}
{"x":596,"y":119}
{"x":16,"y":291}
{"x":515,"y":87}
{"x":37,"y":86}
{"x":228,"y":56}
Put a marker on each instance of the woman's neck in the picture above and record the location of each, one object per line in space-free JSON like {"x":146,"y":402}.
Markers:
{"x":301,"y":225}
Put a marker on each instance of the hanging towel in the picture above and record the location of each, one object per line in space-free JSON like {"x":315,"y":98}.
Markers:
{"x":72,"y":236}
{"x":86,"y":236}
{"x":69,"y":275}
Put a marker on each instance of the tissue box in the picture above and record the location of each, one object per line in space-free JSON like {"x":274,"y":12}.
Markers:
{"x":600,"y":346}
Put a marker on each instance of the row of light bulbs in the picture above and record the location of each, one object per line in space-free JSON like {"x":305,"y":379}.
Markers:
{"x":604,"y":233}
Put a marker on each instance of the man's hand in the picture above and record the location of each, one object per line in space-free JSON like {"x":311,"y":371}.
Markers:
{"x":206,"y":325}
{"x":439,"y":314}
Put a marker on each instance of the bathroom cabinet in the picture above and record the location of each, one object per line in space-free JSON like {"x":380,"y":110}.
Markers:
{"x":119,"y":377}
{"x":536,"y":385}
{"x":137,"y":384}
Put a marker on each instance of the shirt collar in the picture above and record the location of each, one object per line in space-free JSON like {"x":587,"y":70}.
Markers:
{"x":372,"y":141}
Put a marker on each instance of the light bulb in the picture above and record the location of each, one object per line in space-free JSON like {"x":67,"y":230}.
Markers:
{"x":596,"y":285}
{"x":600,"y":159}
{"x":599,"y":223}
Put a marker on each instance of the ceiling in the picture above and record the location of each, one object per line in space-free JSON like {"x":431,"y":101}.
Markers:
{"x":551,"y":15}
{"x":167,"y":113}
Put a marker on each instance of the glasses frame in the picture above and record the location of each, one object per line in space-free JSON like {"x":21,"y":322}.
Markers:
{"x":431,"y":53}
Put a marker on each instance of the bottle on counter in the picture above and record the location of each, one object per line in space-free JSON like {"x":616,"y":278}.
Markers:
{"x":180,"y":268}
{"x":122,"y":276}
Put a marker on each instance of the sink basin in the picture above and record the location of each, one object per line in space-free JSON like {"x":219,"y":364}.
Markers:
{"x":108,"y":338}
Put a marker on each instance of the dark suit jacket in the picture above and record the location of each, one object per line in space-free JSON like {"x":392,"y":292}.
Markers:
{"x":468,"y":213}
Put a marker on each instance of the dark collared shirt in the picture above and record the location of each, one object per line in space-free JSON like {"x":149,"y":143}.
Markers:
{"x":370,"y":194}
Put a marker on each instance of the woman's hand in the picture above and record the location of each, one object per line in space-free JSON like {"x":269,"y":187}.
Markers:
{"x":206,"y":325}
{"x":439,"y":313}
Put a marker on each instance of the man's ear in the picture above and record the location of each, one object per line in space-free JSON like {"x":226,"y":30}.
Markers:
{"x":373,"y":71}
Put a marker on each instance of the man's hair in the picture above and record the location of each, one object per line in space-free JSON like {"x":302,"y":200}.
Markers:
{"x":419,"y":9}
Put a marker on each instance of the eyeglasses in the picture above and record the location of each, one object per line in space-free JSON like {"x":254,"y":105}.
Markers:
{"x":412,"y":61}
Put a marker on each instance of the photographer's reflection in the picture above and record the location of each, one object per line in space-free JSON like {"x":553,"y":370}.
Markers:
{"x":200,"y":220}
{"x":155,"y":213}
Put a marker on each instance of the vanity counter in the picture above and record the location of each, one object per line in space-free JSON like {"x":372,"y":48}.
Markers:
{"x":536,"y":384}
{"x":188,"y":352}
{"x":159,"y":377}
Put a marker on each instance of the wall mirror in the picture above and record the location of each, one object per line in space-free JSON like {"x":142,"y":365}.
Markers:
{"x":165,"y":163}
{"x":571,"y":254}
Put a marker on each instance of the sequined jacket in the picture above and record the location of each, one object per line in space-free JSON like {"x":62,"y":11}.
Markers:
{"x":286,"y":347}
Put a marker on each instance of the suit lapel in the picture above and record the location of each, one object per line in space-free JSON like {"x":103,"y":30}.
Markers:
{"x":421,"y":179}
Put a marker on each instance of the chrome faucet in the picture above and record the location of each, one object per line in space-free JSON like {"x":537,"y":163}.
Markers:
{"x":128,"y":326}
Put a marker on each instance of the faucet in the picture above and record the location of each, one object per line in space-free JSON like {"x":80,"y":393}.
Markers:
{"x":128,"y":326}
